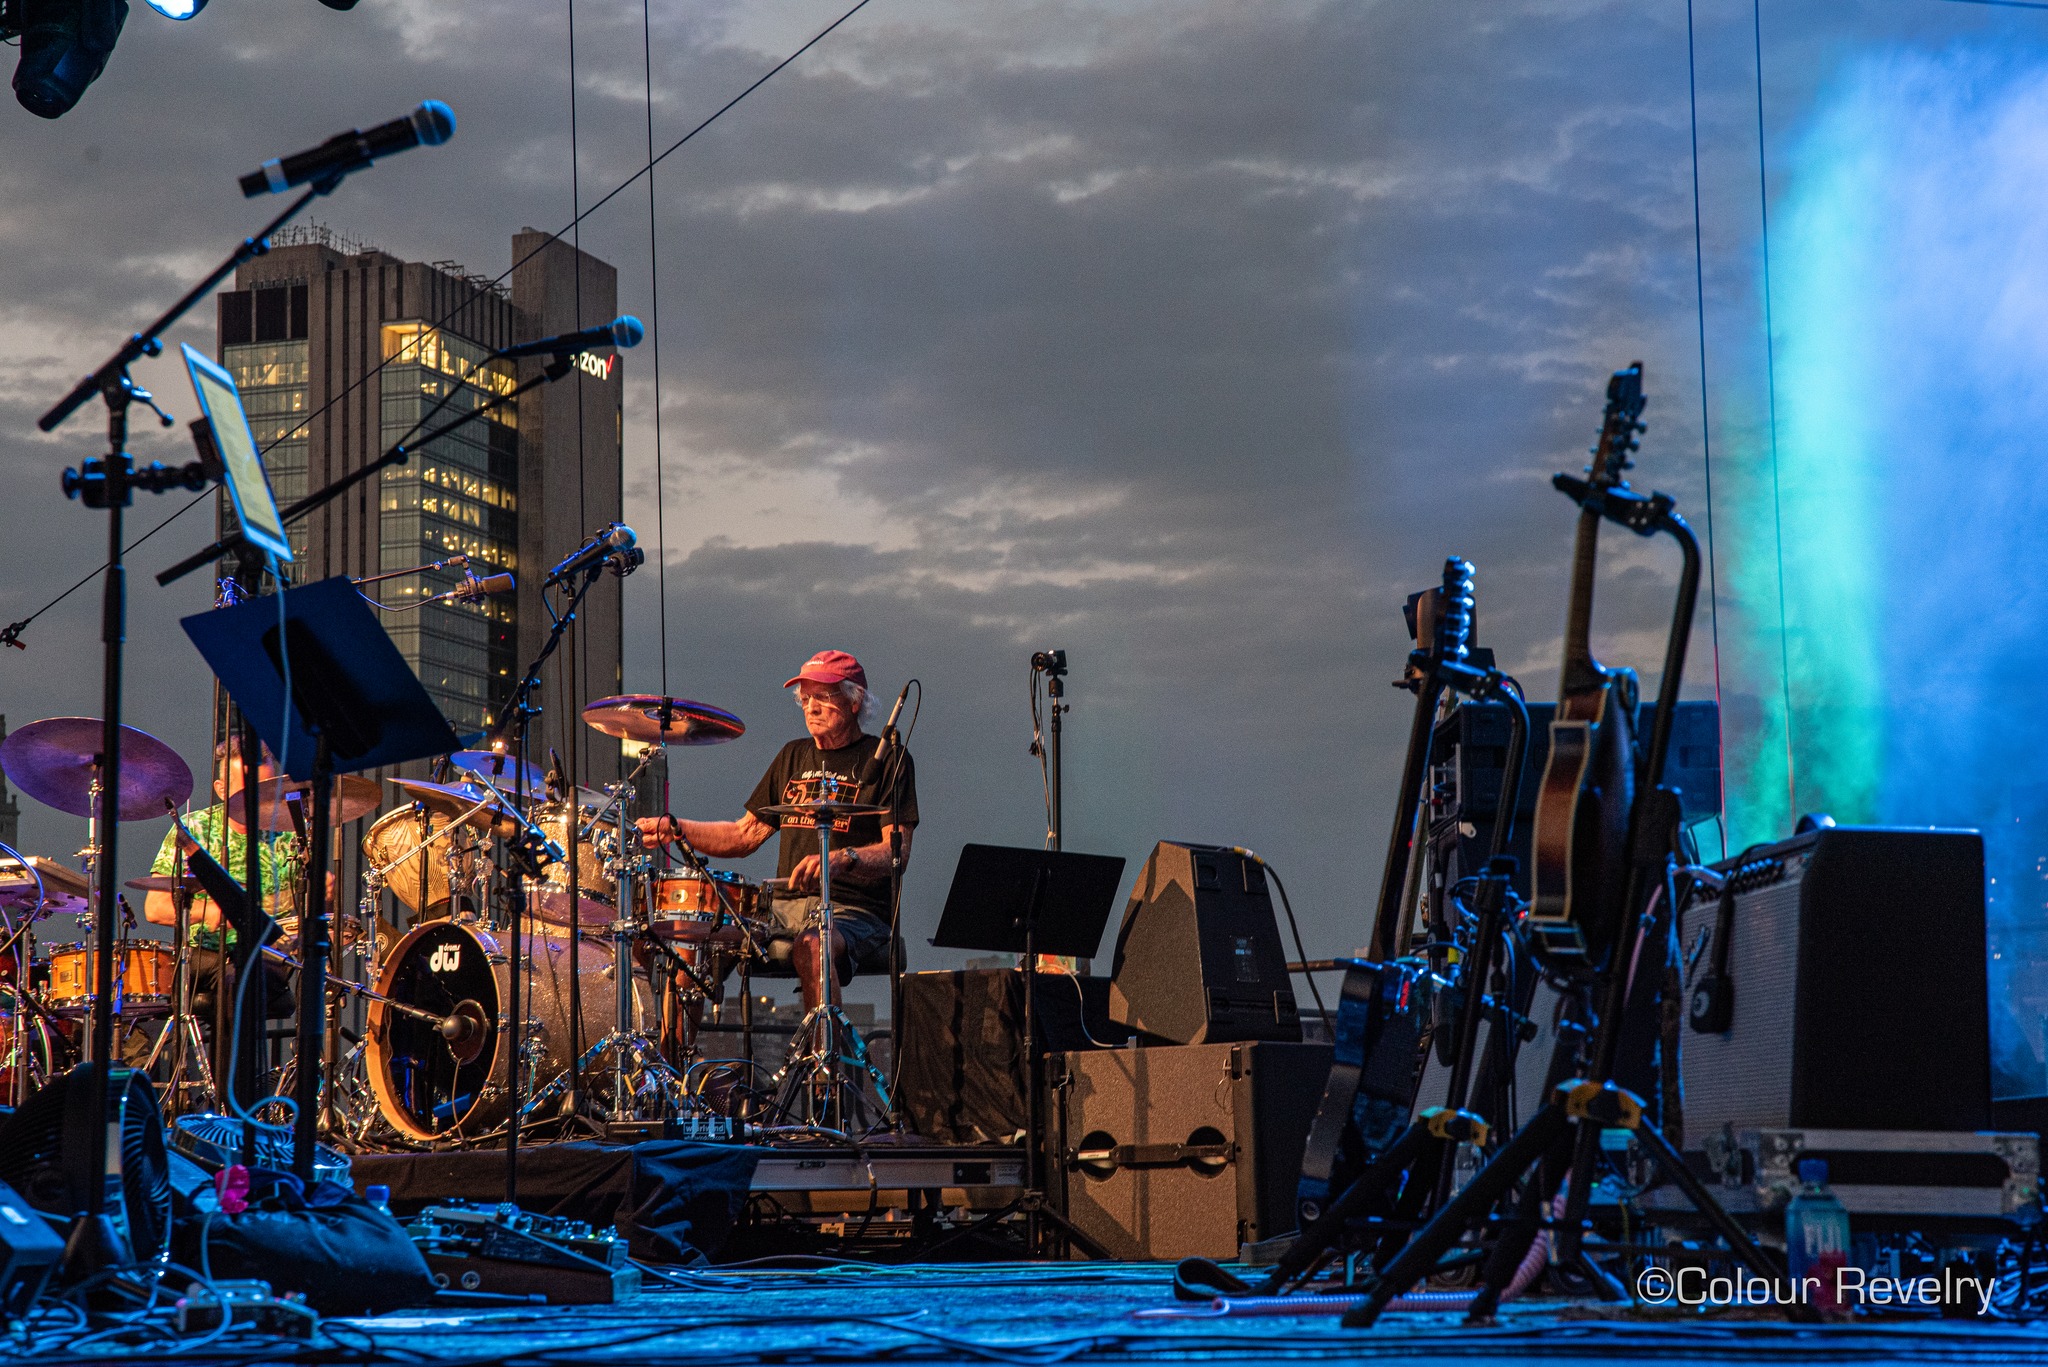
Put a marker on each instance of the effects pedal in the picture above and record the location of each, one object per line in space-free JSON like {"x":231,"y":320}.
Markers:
{"x":503,"y":1249}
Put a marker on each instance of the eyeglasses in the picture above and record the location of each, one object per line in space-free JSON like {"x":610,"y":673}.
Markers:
{"x":833,"y":701}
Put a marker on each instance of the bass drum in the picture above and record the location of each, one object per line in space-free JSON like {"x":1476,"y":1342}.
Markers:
{"x":430,"y":1086}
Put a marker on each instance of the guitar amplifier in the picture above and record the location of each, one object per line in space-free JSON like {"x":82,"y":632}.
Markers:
{"x":1182,"y":1151}
{"x":1857,"y":976}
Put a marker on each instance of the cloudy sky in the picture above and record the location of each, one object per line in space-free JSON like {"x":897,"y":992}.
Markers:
{"x":1188,"y":337}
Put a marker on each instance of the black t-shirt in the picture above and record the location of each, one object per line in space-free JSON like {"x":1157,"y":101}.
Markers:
{"x":785,"y":782}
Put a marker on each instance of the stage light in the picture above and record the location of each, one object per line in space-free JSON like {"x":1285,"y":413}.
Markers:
{"x":177,"y":9}
{"x":64,"y":48}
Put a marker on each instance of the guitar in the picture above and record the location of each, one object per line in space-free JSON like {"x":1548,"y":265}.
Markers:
{"x":1579,"y":856}
{"x":1377,"y":1032}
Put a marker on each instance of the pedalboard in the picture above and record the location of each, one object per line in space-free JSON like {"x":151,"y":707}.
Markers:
{"x":504,"y":1250}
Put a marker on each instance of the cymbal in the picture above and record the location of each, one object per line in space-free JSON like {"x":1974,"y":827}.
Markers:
{"x":65,"y":889}
{"x":353,"y":798}
{"x":52,"y":761}
{"x":451,"y":800}
{"x":835,"y":810}
{"x":165,"y":882}
{"x":638,"y":716}
{"x":502,"y":769}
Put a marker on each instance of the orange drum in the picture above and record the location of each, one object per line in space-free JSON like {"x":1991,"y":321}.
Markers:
{"x":143,"y":972}
{"x":690,"y":908}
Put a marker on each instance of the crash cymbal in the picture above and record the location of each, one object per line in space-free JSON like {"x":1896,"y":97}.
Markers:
{"x":353,"y":798}
{"x":453,"y":800}
{"x":503,"y":770}
{"x":64,"y":889}
{"x":639,"y":716}
{"x":52,"y":760}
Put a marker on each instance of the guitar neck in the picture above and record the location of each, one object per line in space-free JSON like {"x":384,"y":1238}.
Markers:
{"x":1582,"y":673}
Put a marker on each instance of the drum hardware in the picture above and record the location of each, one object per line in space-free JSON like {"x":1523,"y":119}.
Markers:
{"x":181,"y":1036}
{"x":825,"y":1040}
{"x":640,"y":1075}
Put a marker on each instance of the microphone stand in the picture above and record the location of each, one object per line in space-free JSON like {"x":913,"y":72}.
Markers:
{"x":516,"y":720}
{"x":109,"y":482}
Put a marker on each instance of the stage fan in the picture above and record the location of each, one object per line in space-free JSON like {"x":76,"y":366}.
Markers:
{"x":215,"y":1141}
{"x":46,"y":1155}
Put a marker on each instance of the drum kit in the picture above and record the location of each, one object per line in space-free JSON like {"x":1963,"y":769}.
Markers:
{"x":650,"y":942}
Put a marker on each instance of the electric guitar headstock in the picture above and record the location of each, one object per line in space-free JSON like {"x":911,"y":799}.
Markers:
{"x":1620,"y":425}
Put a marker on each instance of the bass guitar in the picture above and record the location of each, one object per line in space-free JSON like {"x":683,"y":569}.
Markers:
{"x":1579,"y":855}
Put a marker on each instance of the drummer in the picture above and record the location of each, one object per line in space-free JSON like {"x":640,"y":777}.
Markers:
{"x":832,"y":690}
{"x":222,"y":836}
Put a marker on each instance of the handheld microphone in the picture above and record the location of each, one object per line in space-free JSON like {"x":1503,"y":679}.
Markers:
{"x":472,"y":587}
{"x":607,"y":543}
{"x":889,"y":737}
{"x":432,"y":124}
{"x":622,"y":332}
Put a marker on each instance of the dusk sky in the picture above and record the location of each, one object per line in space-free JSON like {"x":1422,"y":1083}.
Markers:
{"x":1187,"y":337}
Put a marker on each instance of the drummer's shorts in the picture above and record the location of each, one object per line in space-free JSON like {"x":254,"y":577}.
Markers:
{"x":864,"y":936}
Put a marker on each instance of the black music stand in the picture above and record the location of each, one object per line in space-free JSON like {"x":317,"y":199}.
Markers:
{"x":353,"y":704}
{"x":1008,"y":900}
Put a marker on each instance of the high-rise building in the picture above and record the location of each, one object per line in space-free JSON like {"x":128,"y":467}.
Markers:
{"x":339,"y":349}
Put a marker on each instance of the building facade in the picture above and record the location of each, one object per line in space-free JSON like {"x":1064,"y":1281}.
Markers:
{"x":340,"y":349}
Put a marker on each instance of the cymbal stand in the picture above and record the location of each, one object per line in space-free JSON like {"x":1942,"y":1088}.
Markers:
{"x":638,"y":1069}
{"x":90,"y":919}
{"x":825,"y":1044}
{"x":181,"y":1037}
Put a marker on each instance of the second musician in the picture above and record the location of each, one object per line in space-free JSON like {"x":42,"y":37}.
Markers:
{"x":832,"y":690}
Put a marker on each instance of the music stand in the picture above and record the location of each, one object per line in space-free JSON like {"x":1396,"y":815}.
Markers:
{"x":353,"y":704}
{"x":1008,"y":900}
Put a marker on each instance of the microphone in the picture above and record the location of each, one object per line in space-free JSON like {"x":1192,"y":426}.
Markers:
{"x":457,"y":1029}
{"x":622,"y":332}
{"x":889,"y":737}
{"x":472,"y":588}
{"x":432,"y":124}
{"x":610,"y":542}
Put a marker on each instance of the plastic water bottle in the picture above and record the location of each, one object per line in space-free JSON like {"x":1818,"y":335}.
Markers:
{"x":378,"y":1196}
{"x":1817,"y":1239}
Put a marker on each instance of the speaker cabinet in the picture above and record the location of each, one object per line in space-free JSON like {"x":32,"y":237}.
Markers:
{"x":1199,"y":960}
{"x":1856,"y":964}
{"x":1182,"y":1151}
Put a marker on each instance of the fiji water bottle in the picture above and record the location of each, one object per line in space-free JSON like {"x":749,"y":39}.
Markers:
{"x":1817,"y":1240}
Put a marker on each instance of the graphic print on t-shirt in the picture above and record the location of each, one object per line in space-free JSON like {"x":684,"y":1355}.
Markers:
{"x":812,"y":785}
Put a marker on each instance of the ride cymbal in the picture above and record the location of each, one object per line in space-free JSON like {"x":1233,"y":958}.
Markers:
{"x":54,"y":761}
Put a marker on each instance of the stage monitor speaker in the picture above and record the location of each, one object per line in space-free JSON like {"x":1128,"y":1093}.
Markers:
{"x":1199,"y":960}
{"x":1855,"y":995}
{"x":1183,"y":1151}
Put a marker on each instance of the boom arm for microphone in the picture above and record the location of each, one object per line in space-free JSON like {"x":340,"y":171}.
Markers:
{"x":432,"y":124}
{"x":622,"y":332}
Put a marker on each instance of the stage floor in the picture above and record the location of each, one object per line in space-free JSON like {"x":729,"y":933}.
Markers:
{"x":1045,"y":1313}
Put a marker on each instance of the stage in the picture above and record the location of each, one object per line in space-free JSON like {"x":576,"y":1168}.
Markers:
{"x":1087,"y":1312}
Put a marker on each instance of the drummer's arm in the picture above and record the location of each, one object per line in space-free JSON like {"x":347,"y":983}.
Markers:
{"x":159,"y":910}
{"x":719,"y":839}
{"x":868,"y":863}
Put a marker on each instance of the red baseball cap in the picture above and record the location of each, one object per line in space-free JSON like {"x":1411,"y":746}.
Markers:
{"x":830,"y":666}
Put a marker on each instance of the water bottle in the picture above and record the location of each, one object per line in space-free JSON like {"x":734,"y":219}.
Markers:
{"x":378,"y":1196}
{"x":1817,"y":1239}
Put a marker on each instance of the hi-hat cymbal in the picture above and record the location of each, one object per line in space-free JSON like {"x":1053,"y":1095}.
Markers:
{"x":165,"y":882}
{"x":53,"y":761}
{"x":824,"y":807}
{"x":503,"y":770}
{"x":640,"y":717}
{"x":64,"y":889}
{"x":354,"y":797}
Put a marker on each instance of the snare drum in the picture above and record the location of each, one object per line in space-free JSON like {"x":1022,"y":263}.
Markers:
{"x":688,"y":908}
{"x":143,"y":972}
